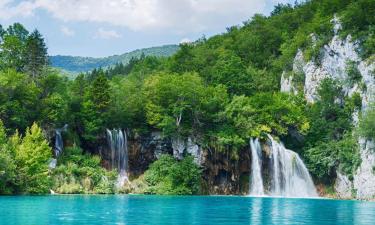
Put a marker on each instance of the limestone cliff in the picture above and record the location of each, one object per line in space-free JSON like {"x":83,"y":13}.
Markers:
{"x":334,"y":58}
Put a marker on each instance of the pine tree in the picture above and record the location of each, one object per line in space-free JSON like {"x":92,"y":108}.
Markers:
{"x":36,"y":55}
{"x":99,"y":92}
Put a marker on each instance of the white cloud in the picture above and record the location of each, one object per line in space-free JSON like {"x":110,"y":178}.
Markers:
{"x":67,"y":31}
{"x":179,"y":15}
{"x":9,"y":10}
{"x":185,"y":40}
{"x":107,"y":34}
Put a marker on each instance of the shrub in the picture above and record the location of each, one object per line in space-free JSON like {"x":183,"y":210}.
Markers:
{"x":366,"y":127}
{"x":79,"y":172}
{"x":354,"y":75}
{"x":326,"y":157}
{"x":172,"y":177}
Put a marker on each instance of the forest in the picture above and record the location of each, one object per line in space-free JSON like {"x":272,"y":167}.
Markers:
{"x":221,"y":91}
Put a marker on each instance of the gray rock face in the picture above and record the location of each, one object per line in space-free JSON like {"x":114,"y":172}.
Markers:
{"x":333,"y":65}
{"x":178,"y":146}
{"x":160,"y":144}
{"x":287,"y":84}
{"x":194,"y":150}
{"x":343,"y":186}
{"x":367,"y":69}
{"x":189,"y":146}
{"x":364,"y":179}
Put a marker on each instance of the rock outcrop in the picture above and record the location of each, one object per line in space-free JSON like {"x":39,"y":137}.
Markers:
{"x":333,"y":63}
{"x":364,"y":178}
{"x":182,"y":147}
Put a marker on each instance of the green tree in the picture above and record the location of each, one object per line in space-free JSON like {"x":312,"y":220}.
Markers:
{"x":13,"y":47}
{"x":183,"y":61}
{"x":53,"y":99}
{"x":18,"y":97}
{"x":95,"y":108}
{"x":92,"y":120}
{"x":172,"y":101}
{"x":36,"y":55}
{"x":32,"y":154}
{"x":100,"y":93}
{"x":230,"y":71}
{"x":127,"y":108}
{"x":266,"y":113}
{"x":7,"y":165}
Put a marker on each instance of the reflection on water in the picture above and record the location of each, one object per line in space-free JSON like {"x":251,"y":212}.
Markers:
{"x":123,"y":209}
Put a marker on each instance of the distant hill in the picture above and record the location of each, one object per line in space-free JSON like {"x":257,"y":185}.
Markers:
{"x":77,"y":64}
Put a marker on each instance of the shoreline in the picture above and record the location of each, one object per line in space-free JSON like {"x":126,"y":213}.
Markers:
{"x":229,"y":196}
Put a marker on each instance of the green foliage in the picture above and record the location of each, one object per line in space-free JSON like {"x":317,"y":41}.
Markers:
{"x":231,"y":71}
{"x":172,"y":100}
{"x":13,"y":47}
{"x":266,"y":113}
{"x":95,"y":107}
{"x":36,"y":54}
{"x":176,"y":103}
{"x":330,"y":144}
{"x":331,"y":114}
{"x":366,"y":127}
{"x":127,"y":104}
{"x":79,"y":172}
{"x":7,"y":165}
{"x":99,"y":93}
{"x":357,"y":22}
{"x":22,"y":51}
{"x":32,"y":154}
{"x":221,"y":90}
{"x":17,"y":97}
{"x":353,"y":72}
{"x":172,"y":177}
{"x":326,"y":158}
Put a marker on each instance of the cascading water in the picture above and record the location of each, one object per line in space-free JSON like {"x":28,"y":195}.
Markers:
{"x":289,"y":176}
{"x":117,"y":141}
{"x":59,"y":143}
{"x":256,"y":180}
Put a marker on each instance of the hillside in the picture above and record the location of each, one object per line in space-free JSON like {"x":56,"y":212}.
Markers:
{"x":76,"y":64}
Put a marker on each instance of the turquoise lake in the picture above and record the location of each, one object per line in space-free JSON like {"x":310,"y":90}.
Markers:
{"x":139,"y":209}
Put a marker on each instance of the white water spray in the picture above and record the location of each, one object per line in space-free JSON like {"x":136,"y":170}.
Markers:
{"x":256,"y":180}
{"x":118,"y":143}
{"x":59,"y":143}
{"x":289,"y":176}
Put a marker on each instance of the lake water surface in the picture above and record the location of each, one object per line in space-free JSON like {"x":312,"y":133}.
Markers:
{"x":140,"y":209}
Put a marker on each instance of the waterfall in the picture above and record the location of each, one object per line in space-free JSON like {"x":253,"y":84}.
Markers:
{"x":59,"y":143}
{"x":256,"y":180}
{"x":288,"y":175}
{"x":118,"y":143}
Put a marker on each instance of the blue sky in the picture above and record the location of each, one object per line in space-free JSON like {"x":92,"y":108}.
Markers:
{"x":100,"y":28}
